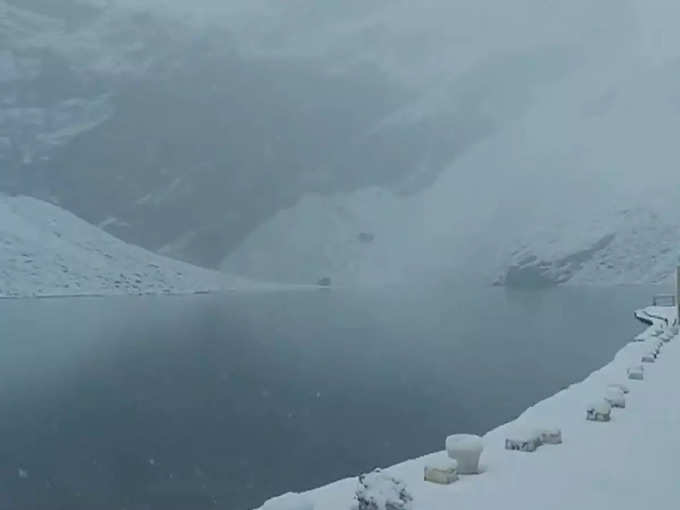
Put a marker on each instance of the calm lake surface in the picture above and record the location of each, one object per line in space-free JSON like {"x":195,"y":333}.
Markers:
{"x":223,"y":401}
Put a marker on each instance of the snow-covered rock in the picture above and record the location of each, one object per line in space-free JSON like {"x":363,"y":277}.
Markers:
{"x":523,"y":440}
{"x":636,"y":372}
{"x":46,"y":251}
{"x":615,"y":397}
{"x":551,"y":435}
{"x":599,"y":411}
{"x":380,"y":491}
{"x":622,"y":387}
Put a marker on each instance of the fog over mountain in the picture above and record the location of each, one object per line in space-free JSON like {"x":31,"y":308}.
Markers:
{"x":529,"y":142}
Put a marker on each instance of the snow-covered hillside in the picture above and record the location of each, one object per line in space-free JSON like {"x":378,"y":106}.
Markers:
{"x":46,"y":251}
{"x":583,"y":187}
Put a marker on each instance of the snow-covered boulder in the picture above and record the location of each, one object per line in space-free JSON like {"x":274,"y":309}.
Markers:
{"x":636,"y":372}
{"x":466,"y":450}
{"x":615,"y":397}
{"x":523,"y":441}
{"x":379,"y":491}
{"x":599,"y":411}
{"x":625,"y":389}
{"x":290,"y":501}
{"x":649,"y":357}
{"x":550,"y":435}
{"x":443,"y":471}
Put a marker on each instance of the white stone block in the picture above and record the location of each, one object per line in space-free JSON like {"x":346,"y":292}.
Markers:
{"x":615,"y":397}
{"x":466,"y":450}
{"x":443,"y":472}
{"x":650,"y":357}
{"x":290,"y":501}
{"x":636,"y":372}
{"x":550,"y":436}
{"x":599,"y":411}
{"x":621,"y":387}
{"x":523,"y":441}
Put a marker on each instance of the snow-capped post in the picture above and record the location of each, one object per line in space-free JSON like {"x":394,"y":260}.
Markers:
{"x":442,"y":472}
{"x":290,"y":501}
{"x":523,"y":441}
{"x":465,"y":449}
{"x":379,"y":491}
{"x":599,"y":411}
{"x":636,"y":373}
{"x":615,"y":397}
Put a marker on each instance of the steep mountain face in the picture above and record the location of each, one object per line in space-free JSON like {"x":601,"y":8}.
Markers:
{"x":290,"y":140}
{"x":582,"y":187}
{"x":182,"y":128}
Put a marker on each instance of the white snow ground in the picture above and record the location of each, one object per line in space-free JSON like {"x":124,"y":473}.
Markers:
{"x":628,"y":463}
{"x":47,"y":251}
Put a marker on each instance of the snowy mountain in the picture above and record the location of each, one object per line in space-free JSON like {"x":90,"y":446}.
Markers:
{"x":101,"y":110}
{"x":46,"y":251}
{"x":583,"y":187}
{"x":366,"y":142}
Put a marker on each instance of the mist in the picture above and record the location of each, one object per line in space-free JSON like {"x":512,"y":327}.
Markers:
{"x":204,"y":132}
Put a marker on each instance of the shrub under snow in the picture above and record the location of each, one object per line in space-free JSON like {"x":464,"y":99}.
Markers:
{"x":379,"y":491}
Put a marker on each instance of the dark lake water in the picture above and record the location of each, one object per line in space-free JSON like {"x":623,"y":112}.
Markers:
{"x":221,"y":402}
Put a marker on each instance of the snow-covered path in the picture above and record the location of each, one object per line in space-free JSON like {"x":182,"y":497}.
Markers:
{"x":627,"y":463}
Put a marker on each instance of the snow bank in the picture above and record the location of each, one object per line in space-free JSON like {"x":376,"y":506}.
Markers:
{"x":599,"y":465}
{"x":46,"y":251}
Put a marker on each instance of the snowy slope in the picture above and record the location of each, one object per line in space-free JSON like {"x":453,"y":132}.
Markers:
{"x":627,"y":463}
{"x":46,"y":251}
{"x":583,"y":187}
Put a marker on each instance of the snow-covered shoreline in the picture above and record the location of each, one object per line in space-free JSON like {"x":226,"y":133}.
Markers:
{"x":625,"y":463}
